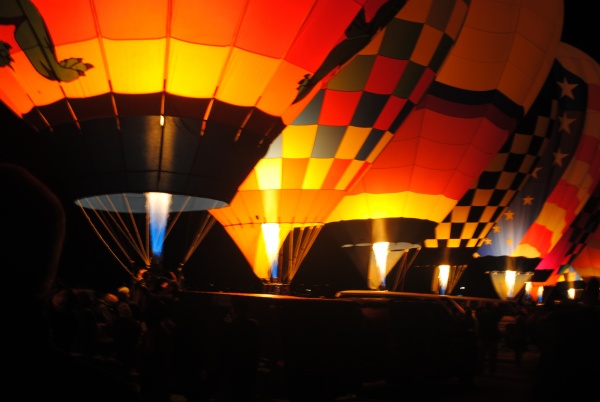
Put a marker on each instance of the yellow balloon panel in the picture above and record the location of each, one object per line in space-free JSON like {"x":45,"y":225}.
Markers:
{"x":315,"y":174}
{"x":96,"y":81}
{"x":297,"y":141}
{"x":182,"y":72}
{"x":136,"y":66}
{"x":268,"y":174}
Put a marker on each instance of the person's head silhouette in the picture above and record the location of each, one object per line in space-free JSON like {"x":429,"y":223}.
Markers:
{"x":32,"y":232}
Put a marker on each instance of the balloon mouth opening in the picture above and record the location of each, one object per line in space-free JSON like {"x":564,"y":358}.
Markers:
{"x":393,"y":246}
{"x":137,"y":203}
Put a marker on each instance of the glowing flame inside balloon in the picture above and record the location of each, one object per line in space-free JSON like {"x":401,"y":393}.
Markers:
{"x":443,"y":278}
{"x":571,"y":293}
{"x":381,"y":251}
{"x":157,"y":207}
{"x":528,"y":290}
{"x":509,"y":278}
{"x":540,"y":294}
{"x":271,"y":235}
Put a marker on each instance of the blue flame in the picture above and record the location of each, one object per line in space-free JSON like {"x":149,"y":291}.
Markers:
{"x":157,"y":206}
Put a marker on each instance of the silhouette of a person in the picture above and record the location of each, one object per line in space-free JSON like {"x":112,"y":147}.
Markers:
{"x":32,"y":232}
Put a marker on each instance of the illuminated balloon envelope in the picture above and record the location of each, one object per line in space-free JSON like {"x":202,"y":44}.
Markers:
{"x":445,"y":278}
{"x":508,"y":284}
{"x":457,"y":128}
{"x":569,"y":249}
{"x":587,"y":262}
{"x":379,"y":259}
{"x":567,"y":99}
{"x":335,"y":139}
{"x":178,"y":97}
{"x":565,"y":283}
{"x":474,"y":214}
{"x":473,"y":227}
{"x":576,"y":185}
{"x":566,"y":176}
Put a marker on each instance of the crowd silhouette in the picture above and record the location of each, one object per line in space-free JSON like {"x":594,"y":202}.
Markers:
{"x":78,"y":344}
{"x":134,"y":344}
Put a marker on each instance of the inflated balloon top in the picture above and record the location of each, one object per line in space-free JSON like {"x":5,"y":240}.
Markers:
{"x":182,"y":97}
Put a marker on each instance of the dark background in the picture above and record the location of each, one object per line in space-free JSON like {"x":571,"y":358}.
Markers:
{"x":217,"y":263}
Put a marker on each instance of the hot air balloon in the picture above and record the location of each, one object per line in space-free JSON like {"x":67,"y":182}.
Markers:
{"x":587,"y":262}
{"x":469,"y":111}
{"x":466,"y":228}
{"x":334,"y":140}
{"x":566,"y":176}
{"x":178,"y":98}
{"x":582,"y":174}
{"x":566,"y":255}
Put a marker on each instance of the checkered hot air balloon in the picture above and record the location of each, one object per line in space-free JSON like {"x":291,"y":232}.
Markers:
{"x":335,"y":139}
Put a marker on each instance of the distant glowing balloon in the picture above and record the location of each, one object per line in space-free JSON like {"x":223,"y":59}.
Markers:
{"x":575,"y":240}
{"x":587,"y":262}
{"x":509,"y":283}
